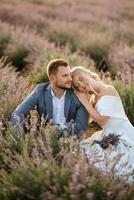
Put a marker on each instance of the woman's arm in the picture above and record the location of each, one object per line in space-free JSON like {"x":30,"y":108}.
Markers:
{"x":83,"y":97}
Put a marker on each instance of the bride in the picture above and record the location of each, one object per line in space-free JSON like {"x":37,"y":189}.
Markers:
{"x":112,"y":148}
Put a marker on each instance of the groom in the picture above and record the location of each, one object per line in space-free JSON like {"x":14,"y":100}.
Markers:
{"x":54,"y":100}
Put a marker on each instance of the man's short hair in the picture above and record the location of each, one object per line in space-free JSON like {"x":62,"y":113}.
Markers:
{"x":52,"y":67}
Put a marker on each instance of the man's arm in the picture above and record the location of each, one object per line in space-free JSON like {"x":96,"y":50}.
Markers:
{"x":24,"y":108}
{"x":81,"y":120}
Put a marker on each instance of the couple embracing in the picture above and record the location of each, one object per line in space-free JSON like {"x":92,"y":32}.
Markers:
{"x":65,"y":99}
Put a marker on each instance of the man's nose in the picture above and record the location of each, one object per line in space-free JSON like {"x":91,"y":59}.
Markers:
{"x":70,"y":78}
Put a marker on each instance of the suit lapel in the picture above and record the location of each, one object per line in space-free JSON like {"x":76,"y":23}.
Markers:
{"x":67,"y":104}
{"x":48,"y":102}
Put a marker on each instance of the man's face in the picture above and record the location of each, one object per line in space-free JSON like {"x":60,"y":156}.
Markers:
{"x":63,"y":78}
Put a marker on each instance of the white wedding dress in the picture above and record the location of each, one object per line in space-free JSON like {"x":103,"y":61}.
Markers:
{"x":116,"y":159}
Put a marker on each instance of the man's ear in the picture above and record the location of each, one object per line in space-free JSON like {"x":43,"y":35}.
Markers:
{"x":52,"y":78}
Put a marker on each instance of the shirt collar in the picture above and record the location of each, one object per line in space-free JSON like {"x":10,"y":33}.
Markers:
{"x":53,"y":95}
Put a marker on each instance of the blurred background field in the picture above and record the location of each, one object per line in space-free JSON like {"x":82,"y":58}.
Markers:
{"x":97,"y":34}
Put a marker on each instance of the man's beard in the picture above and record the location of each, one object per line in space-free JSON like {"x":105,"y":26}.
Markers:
{"x":63,"y":87}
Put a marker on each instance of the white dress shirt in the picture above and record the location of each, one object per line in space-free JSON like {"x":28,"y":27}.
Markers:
{"x":58,"y":109}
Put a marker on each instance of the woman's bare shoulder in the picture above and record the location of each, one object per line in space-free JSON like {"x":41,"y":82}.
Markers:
{"x":110,"y":90}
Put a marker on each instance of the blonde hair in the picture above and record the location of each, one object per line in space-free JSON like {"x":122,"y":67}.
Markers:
{"x":76,"y":70}
{"x":86,"y":72}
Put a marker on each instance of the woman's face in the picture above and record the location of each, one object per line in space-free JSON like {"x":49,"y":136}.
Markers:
{"x":81,"y":83}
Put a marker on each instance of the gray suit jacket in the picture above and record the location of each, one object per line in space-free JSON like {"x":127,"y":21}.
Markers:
{"x":41,"y":98}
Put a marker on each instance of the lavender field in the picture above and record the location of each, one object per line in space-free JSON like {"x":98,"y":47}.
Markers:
{"x":98,"y":35}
